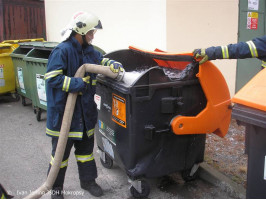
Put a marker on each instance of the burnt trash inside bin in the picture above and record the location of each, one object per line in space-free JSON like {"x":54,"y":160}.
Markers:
{"x":134,"y":116}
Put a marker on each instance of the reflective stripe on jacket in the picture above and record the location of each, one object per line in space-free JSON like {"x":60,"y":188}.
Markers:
{"x":62,"y":65}
{"x":255,"y":48}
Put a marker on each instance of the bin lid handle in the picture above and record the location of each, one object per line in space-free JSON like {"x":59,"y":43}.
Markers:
{"x":164,"y":55}
{"x":165,"y":59}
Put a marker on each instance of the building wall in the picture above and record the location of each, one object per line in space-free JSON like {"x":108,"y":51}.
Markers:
{"x":125,"y":22}
{"x":171,"y":25}
{"x":195,"y":24}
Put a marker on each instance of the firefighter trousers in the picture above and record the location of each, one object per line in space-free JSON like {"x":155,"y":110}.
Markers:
{"x":84,"y":157}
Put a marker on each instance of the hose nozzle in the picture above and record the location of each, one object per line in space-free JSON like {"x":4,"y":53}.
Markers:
{"x":120,"y":75}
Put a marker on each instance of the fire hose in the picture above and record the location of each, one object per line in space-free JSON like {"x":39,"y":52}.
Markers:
{"x":65,"y":127}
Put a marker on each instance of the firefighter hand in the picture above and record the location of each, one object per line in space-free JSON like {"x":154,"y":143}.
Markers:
{"x":86,"y":79}
{"x":116,"y":67}
{"x":201,"y":53}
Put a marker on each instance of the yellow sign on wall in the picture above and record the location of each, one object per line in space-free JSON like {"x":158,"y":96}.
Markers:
{"x":252,"y":20}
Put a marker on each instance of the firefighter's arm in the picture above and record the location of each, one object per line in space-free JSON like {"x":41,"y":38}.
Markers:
{"x":232,"y":51}
{"x":260,"y":44}
{"x":250,"y":49}
{"x":55,"y":77}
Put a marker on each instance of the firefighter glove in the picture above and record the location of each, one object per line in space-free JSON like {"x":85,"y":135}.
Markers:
{"x":116,"y":67}
{"x":201,"y":53}
{"x":86,"y":79}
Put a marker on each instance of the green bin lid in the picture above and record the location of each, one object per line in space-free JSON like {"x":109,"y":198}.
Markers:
{"x":39,"y":47}
{"x":26,"y":45}
{"x":44,"y":45}
{"x":22,"y":50}
{"x":51,"y":44}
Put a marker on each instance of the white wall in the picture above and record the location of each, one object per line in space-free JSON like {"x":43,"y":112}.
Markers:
{"x":195,"y":24}
{"x":125,"y":22}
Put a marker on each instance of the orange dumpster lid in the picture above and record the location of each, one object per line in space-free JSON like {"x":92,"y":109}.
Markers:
{"x":216,"y":117}
{"x":253,"y":94}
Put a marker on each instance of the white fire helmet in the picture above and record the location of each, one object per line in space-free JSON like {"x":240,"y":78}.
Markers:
{"x":81,"y":22}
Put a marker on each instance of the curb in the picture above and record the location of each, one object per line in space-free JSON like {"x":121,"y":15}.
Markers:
{"x":216,"y":178}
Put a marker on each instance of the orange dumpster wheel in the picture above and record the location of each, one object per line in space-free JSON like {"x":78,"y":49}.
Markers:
{"x":23,"y":101}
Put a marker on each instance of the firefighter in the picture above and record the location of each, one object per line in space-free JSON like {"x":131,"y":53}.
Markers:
{"x":255,"y":48}
{"x":64,"y":61}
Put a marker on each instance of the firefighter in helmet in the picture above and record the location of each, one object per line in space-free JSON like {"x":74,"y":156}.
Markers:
{"x":65,"y":59}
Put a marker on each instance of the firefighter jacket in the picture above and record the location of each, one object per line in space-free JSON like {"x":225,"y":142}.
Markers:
{"x":62,"y":65}
{"x":255,"y":48}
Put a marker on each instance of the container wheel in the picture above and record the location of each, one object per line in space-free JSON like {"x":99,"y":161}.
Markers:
{"x":108,"y":163}
{"x":23,"y":101}
{"x":186,"y":174}
{"x":15,"y":96}
{"x":38,"y":114}
{"x":145,"y":187}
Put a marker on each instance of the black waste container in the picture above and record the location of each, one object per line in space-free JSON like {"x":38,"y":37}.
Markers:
{"x":133,"y":120}
{"x":250,"y":110}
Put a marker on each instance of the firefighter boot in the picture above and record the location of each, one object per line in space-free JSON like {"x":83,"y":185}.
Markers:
{"x":93,"y":188}
{"x":57,"y":193}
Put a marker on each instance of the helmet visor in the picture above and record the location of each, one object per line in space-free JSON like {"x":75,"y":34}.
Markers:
{"x":99,"y":25}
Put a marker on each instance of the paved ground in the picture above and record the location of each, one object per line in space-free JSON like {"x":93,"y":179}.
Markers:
{"x":25,"y":154}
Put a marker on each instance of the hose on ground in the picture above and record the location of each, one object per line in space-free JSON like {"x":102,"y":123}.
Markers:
{"x":64,"y":131}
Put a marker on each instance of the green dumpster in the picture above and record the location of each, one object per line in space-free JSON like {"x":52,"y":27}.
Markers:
{"x":21,"y":71}
{"x":36,"y":61}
